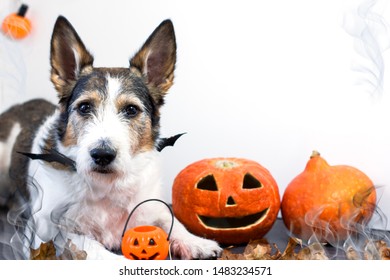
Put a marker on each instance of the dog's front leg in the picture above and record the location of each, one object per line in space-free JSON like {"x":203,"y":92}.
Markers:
{"x":184,"y":244}
{"x":189,"y":246}
{"x":96,"y":251}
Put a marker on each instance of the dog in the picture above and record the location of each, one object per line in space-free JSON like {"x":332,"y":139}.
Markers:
{"x":106,"y":123}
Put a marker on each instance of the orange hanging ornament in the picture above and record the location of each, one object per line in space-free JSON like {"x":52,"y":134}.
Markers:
{"x":17,"y":26}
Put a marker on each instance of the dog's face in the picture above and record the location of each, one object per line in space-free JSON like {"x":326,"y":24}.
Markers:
{"x":108,"y":116}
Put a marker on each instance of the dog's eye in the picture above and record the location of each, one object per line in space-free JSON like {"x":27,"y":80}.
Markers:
{"x":131,"y":111}
{"x":84,"y":108}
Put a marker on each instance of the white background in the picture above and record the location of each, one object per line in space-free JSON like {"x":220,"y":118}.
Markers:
{"x":265,"y":80}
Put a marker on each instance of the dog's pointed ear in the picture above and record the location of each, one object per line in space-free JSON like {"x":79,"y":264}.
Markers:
{"x":68,"y":57}
{"x":156,"y":60}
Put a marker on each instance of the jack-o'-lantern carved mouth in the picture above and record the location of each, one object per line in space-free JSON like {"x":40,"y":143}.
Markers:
{"x":153,"y":257}
{"x":233,"y":222}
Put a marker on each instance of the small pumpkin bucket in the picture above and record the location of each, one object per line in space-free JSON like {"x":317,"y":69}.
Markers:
{"x":146,"y":242}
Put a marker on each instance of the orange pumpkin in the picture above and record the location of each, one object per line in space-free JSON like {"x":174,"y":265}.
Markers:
{"x":16,"y":25}
{"x":145,"y":243}
{"x":328,"y":201}
{"x":230,"y":200}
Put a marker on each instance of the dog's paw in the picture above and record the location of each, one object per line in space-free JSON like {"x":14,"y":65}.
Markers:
{"x":195,"y":248}
{"x":96,"y":251}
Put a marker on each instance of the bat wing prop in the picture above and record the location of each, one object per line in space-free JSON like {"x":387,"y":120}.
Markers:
{"x":170,"y":141}
{"x":52,"y":156}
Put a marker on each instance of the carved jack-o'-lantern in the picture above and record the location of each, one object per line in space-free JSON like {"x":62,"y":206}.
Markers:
{"x":146,"y":242}
{"x":229,"y":200}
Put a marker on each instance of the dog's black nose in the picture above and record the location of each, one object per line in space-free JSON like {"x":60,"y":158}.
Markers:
{"x":103,"y":156}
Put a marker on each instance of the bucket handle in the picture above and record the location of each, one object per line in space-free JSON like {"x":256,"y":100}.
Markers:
{"x":148,"y":200}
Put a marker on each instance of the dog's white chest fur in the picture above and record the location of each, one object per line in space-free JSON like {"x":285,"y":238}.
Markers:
{"x":62,"y":202}
{"x":66,"y":201}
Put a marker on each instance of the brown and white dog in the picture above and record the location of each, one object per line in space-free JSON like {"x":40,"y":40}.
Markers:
{"x":107,"y":123}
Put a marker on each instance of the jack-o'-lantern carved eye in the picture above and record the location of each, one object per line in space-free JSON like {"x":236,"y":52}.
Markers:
{"x":207,"y":183}
{"x":251,"y":182}
{"x":152,"y":242}
{"x":136,"y":243}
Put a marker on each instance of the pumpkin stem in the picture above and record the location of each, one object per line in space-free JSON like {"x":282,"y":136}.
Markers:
{"x":315,"y":154}
{"x":316,"y":163}
{"x":22,"y":10}
{"x":226,"y":164}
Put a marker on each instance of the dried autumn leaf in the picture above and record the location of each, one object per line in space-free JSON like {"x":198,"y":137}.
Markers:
{"x":384,"y":251}
{"x":352,"y":253}
{"x":258,"y":253}
{"x":71,"y":252}
{"x":313,"y":252}
{"x":385,"y":254}
{"x":289,"y":252}
{"x":261,"y":250}
{"x":255,"y":243}
{"x":47,"y":251}
{"x":227,"y":254}
{"x":377,"y":250}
